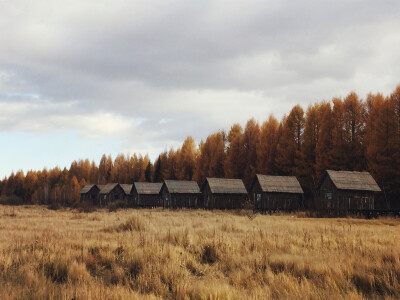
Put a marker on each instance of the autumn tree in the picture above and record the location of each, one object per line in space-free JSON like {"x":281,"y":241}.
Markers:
{"x":324,"y":142}
{"x":394,"y":106}
{"x":94,"y":173}
{"x":105,"y":169}
{"x":289,"y":159}
{"x":234,"y":161}
{"x":266,"y":147}
{"x":30,"y":185}
{"x":251,"y":137}
{"x":354,"y":125}
{"x":75,"y":189}
{"x":186,"y":160}
{"x":309,"y":147}
{"x":337,"y":151}
{"x":210,"y":162}
{"x":120,"y":170}
{"x":382,"y":141}
{"x":378,"y":140}
{"x":171,"y":169}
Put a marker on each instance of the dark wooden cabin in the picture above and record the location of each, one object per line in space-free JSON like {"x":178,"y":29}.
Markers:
{"x":270,"y":193}
{"x":90,"y":192}
{"x":178,"y":194}
{"x":111,"y":192}
{"x":346,"y":191}
{"x":222,"y":193}
{"x":127,"y":192}
{"x":146,"y":194}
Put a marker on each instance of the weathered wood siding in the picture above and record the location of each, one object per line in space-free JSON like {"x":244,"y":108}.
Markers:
{"x":274,"y":201}
{"x":222,"y":201}
{"x":92,"y":195}
{"x":175,"y":200}
{"x":116,"y":194}
{"x":128,"y":199}
{"x":165,"y":197}
{"x":147,"y":200}
{"x":330,"y":198}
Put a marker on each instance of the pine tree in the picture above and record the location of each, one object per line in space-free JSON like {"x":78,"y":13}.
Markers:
{"x":147,"y":172}
{"x":157,"y":175}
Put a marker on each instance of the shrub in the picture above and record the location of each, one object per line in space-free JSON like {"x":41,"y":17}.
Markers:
{"x":56,"y":271}
{"x":209,"y":255}
{"x":134,"y":268}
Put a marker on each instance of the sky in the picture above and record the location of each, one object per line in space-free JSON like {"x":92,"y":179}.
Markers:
{"x":83,"y":78}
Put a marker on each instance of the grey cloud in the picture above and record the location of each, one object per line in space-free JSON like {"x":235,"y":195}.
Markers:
{"x":201,"y":65}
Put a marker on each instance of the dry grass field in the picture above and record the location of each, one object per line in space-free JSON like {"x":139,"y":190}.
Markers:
{"x":198,"y":254}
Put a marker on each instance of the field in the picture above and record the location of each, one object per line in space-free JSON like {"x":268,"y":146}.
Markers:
{"x":65,"y":254}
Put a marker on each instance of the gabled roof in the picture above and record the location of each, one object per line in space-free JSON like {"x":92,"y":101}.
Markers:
{"x":279,"y":184}
{"x":350,"y":180}
{"x":225,"y":186}
{"x":182,"y":187}
{"x":127,"y":188}
{"x":148,"y":188}
{"x":87,"y":188}
{"x":108,"y":188}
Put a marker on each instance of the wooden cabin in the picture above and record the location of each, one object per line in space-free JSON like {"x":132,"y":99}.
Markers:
{"x":347,"y":191}
{"x":127,"y":192}
{"x":222,"y":193}
{"x":270,"y":193}
{"x":90,"y":192}
{"x":178,"y":194}
{"x":111,"y":192}
{"x":146,"y":194}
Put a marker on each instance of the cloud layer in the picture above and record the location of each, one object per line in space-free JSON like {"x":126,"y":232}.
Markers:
{"x":151,"y":73}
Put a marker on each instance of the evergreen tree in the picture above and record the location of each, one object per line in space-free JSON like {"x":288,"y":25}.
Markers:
{"x":147,"y":172}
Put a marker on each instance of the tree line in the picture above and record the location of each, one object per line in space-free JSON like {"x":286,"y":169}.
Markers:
{"x":342,"y":134}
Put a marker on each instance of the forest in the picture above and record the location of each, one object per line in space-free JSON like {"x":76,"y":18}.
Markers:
{"x":342,"y":134}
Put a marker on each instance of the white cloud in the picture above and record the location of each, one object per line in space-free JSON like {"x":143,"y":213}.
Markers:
{"x":44,"y":117}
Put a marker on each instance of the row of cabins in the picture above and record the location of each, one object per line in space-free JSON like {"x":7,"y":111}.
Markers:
{"x":338,"y":190}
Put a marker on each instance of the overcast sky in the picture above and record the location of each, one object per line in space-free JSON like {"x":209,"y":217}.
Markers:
{"x":82,"y":78}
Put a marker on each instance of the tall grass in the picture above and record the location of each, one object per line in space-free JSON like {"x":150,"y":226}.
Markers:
{"x":64,"y":254}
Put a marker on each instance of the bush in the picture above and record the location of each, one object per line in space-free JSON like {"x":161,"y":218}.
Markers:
{"x":56,"y":271}
{"x":209,"y":255}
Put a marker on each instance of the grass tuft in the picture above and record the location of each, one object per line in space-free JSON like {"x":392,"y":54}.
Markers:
{"x":209,"y":255}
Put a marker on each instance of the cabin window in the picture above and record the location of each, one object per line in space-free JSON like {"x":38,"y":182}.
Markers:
{"x":258,"y":197}
{"x":105,"y":197}
{"x":116,"y":197}
{"x":328,"y":196}
{"x":93,"y":196}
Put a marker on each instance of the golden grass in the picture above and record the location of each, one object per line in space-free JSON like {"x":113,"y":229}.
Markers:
{"x":196,"y":254}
